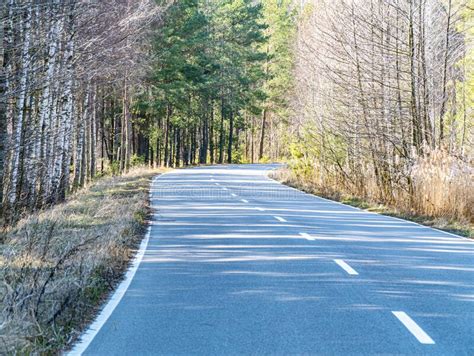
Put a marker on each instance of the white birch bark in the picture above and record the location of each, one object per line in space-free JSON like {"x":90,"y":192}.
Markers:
{"x":67,"y":113}
{"x":50,"y":118}
{"x":4,"y":11}
{"x":17,"y":135}
{"x":41,"y":135}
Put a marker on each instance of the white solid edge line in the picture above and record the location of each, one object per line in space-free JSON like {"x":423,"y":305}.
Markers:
{"x":371,"y":212}
{"x":88,"y":336}
{"x":413,"y":327}
{"x":307,"y":236}
{"x":280,"y":218}
{"x":244,"y":200}
{"x":346,"y":267}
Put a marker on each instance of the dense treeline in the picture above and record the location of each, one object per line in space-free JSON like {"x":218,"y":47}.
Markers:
{"x":90,"y":88}
{"x":220,"y":69}
{"x":370,"y":97}
{"x":206,"y":74}
{"x":383,"y":106}
{"x":68,"y":71}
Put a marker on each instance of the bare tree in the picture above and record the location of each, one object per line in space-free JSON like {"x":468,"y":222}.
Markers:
{"x":57,"y":55}
{"x":375,"y":81}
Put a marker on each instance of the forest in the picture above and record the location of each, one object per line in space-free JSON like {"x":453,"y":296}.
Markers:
{"x":367,"y":102}
{"x":92,"y":88}
{"x":371,"y":98}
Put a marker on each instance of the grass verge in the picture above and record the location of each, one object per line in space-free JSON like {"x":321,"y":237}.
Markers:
{"x":57,"y":266}
{"x":288,"y":177}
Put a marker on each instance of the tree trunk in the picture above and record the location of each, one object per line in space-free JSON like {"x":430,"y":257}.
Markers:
{"x":416,"y":127}
{"x":178,"y":147}
{"x":17,"y":135}
{"x":221,"y":135}
{"x":79,"y":154}
{"x":3,"y":111}
{"x":126,"y":130}
{"x":231,"y":137}
{"x":211,"y":134}
{"x":444,"y":97}
{"x":67,"y":114}
{"x":262,"y":134}
{"x":167,"y":129}
{"x":204,"y":140}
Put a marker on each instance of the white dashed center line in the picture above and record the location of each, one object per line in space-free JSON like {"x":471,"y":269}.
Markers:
{"x":346,"y":267}
{"x":413,"y":327}
{"x":244,"y":200}
{"x":279,"y":218}
{"x":307,"y":236}
{"x":234,"y":195}
{"x":217,"y":183}
{"x":225,"y":188}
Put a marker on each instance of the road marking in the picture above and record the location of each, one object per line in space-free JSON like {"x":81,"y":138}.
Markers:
{"x":280,"y":218}
{"x":225,"y":188}
{"x":244,"y":200}
{"x":413,"y":327}
{"x":346,"y":267}
{"x":217,"y":183}
{"x":307,"y":236}
{"x":260,"y":209}
{"x":234,"y":195}
{"x":212,"y":179}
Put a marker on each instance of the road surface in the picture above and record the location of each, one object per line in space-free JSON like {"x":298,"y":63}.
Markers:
{"x":237,"y":263}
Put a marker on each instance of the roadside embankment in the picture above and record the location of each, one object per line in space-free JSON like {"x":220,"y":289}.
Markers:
{"x":57,"y":266}
{"x":439,"y":213}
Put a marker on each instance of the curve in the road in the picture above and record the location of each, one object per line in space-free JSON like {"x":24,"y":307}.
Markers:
{"x":237,"y":263}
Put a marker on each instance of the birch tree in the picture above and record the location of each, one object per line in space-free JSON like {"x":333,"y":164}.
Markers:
{"x":56,"y":56}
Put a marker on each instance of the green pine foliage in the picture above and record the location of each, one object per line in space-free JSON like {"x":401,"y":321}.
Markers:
{"x":216,"y":66}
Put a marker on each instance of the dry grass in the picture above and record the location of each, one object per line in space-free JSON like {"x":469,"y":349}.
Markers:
{"x":58,"y":265}
{"x":443,"y":187}
{"x":442,"y":194}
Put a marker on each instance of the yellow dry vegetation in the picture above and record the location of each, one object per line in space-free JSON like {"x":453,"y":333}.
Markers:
{"x":58,"y":265}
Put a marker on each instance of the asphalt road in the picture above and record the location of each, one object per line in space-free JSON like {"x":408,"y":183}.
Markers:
{"x":238,"y":264}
